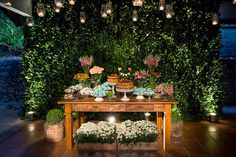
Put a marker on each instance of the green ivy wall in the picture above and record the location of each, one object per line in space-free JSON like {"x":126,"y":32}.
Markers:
{"x":188,"y":45}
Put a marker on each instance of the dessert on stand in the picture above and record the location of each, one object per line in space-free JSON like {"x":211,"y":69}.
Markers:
{"x":112,"y":81}
{"x":125,"y":86}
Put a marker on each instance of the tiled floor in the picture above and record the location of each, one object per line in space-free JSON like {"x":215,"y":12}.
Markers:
{"x":200,"y":139}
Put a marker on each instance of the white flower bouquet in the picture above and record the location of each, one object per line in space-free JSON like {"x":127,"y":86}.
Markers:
{"x":134,"y":132}
{"x":103,"y":132}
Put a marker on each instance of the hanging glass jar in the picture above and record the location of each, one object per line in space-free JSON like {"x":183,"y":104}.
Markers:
{"x":72,"y":2}
{"x":57,"y":10}
{"x":161,"y":4}
{"x":30,"y":21}
{"x":40,"y":9}
{"x":215,"y":19}
{"x":59,"y":3}
{"x":104,"y":10}
{"x":135,"y":15}
{"x":82,"y":17}
{"x":137,"y":3}
{"x":8,"y":3}
{"x":169,"y":11}
{"x":109,"y":8}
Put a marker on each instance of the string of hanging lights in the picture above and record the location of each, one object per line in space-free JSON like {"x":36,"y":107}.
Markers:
{"x":106,"y":9}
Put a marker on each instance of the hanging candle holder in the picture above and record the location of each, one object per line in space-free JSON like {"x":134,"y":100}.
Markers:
{"x":135,"y":15}
{"x":82,"y":17}
{"x":72,"y":2}
{"x":8,"y":3}
{"x":169,"y":11}
{"x":57,"y":10}
{"x":104,"y":10}
{"x":109,"y":8}
{"x":40,"y":9}
{"x":137,"y":3}
{"x":30,"y":21}
{"x":215,"y":19}
{"x":59,"y":3}
{"x":161,"y":4}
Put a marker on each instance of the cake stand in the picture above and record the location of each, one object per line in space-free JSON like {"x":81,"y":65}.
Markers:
{"x":124,"y":98}
{"x":112,"y":84}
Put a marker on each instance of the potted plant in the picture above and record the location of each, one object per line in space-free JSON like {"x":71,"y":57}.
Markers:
{"x":177,"y":125}
{"x":54,"y":125}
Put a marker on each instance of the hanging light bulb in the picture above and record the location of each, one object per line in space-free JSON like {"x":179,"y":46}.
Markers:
{"x":7,"y":3}
{"x":215,"y":19}
{"x":82,"y":17}
{"x":135,"y":15}
{"x":161,"y":4}
{"x":169,"y":11}
{"x":137,"y":3}
{"x":234,"y":1}
{"x":57,"y":10}
{"x":59,"y":3}
{"x":72,"y":2}
{"x":30,"y":21}
{"x":40,"y":10}
{"x":109,"y":8}
{"x":104,"y":10}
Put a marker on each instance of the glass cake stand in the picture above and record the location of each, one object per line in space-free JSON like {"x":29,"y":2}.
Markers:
{"x":125,"y":98}
{"x":113,"y":88}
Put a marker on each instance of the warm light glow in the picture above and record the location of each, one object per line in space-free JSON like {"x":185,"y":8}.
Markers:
{"x":137,"y":3}
{"x":234,"y":1}
{"x":72,"y":2}
{"x":104,"y":10}
{"x":161,"y":4}
{"x":59,"y":3}
{"x":135,"y":15}
{"x":169,"y":11}
{"x":40,"y":10}
{"x":30,"y":23}
{"x":82,"y":17}
{"x":8,"y":3}
{"x":212,"y":114}
{"x":31,"y":127}
{"x":57,"y":10}
{"x":109,"y":8}
{"x":112,"y":119}
{"x":215,"y":19}
{"x":31,"y":112}
{"x":212,"y":129}
{"x":147,"y":114}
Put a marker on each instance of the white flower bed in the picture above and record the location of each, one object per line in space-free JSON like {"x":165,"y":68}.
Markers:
{"x":139,"y":131}
{"x":103,"y":132}
{"x":126,"y":132}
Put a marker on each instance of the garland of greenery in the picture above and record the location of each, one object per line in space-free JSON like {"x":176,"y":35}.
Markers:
{"x":188,"y":45}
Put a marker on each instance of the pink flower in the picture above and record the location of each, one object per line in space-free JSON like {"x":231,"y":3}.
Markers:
{"x":86,"y":61}
{"x":151,"y":60}
{"x":169,"y":90}
{"x":96,"y":70}
{"x":129,"y":68}
{"x":139,"y":75}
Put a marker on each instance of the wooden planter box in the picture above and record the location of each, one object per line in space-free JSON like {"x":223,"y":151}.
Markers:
{"x":138,"y":146}
{"x":96,"y":146}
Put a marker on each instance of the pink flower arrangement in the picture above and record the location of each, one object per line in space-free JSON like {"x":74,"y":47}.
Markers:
{"x":86,"y":61}
{"x":169,"y":90}
{"x":96,"y":70}
{"x":151,"y":60}
{"x":140,"y":75}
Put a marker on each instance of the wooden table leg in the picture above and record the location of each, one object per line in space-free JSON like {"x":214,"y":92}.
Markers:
{"x":167,"y":135}
{"x":81,"y":119}
{"x":159,"y":122}
{"x":68,"y":126}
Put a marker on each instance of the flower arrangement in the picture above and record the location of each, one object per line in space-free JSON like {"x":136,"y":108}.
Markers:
{"x":86,"y":91}
{"x":164,"y":89}
{"x":140,"y":77}
{"x":86,"y":62}
{"x":96,"y":72}
{"x":151,"y":61}
{"x":103,"y":132}
{"x":134,"y":132}
{"x":83,"y":79}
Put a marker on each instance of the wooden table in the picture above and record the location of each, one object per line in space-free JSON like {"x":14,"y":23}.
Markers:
{"x":161,"y":107}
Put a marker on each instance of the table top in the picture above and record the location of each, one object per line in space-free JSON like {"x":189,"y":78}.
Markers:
{"x":133,"y":100}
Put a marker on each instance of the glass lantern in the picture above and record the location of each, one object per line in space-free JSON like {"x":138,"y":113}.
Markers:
{"x":40,"y":9}
{"x":72,"y":2}
{"x":104,"y":10}
{"x":109,"y":8}
{"x":161,"y":4}
{"x":137,"y":3}
{"x":215,"y":19}
{"x":57,"y":10}
{"x":82,"y":17}
{"x":8,"y":3}
{"x":59,"y":3}
{"x":169,"y":11}
{"x":30,"y":21}
{"x":135,"y":15}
